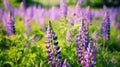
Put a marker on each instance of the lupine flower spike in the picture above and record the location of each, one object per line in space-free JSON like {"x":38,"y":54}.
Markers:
{"x":95,"y":39}
{"x":88,"y":16}
{"x":89,"y":56}
{"x":78,"y":8}
{"x":63,"y":8}
{"x":82,"y":40}
{"x":85,"y":49}
{"x":7,"y":5}
{"x":22,"y":8}
{"x":105,"y":30}
{"x":69,"y":36}
{"x":52,"y":47}
{"x":10,"y":24}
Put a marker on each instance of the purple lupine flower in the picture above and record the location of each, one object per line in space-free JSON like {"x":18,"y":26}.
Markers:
{"x":80,"y":2}
{"x":89,"y":56}
{"x":27,"y":24}
{"x":113,"y":15}
{"x":27,"y":17}
{"x":95,"y":39}
{"x":88,"y":15}
{"x":10,"y":24}
{"x":1,"y":13}
{"x":69,"y":37}
{"x":78,"y":9}
{"x":4,"y":19}
{"x":29,"y":12}
{"x":95,"y":36}
{"x":36,"y":17}
{"x":54,"y":13}
{"x":82,"y":40}
{"x":66,"y":64}
{"x":7,"y":5}
{"x":71,"y":16}
{"x":42,"y":23}
{"x":15,"y":11}
{"x":52,"y":47}
{"x":85,"y":34}
{"x":105,"y":8}
{"x":22,"y":8}
{"x":63,"y":8}
{"x":105,"y":29}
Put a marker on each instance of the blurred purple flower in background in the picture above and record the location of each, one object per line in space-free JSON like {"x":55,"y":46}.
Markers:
{"x":1,"y":13}
{"x":105,"y":8}
{"x":42,"y":23}
{"x":29,"y":12}
{"x":105,"y":29}
{"x":52,"y":47}
{"x":4,"y":19}
{"x":95,"y":39}
{"x":10,"y":24}
{"x":88,"y":16}
{"x":63,"y":8}
{"x":69,"y":37}
{"x":37,"y":16}
{"x":54,"y":13}
{"x":95,"y":36}
{"x":27,"y":24}
{"x":78,"y":9}
{"x":7,"y":5}
{"x":15,"y":11}
{"x":22,"y":8}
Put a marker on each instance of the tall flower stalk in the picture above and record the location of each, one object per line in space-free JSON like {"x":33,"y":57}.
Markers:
{"x":69,"y":36}
{"x":85,"y":53}
{"x":1,"y":13}
{"x":10,"y":24}
{"x":78,"y":8}
{"x":105,"y":29}
{"x":7,"y":5}
{"x":89,"y":56}
{"x":82,"y":40}
{"x":22,"y":8}
{"x":88,"y":16}
{"x":63,"y":8}
{"x":52,"y":47}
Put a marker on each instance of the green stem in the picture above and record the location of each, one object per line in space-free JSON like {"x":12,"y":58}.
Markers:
{"x":104,"y":43}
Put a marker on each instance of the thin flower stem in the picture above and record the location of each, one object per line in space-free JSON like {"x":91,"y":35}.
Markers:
{"x":104,"y":43}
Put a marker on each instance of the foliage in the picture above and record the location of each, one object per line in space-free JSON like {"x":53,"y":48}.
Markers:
{"x":20,"y":50}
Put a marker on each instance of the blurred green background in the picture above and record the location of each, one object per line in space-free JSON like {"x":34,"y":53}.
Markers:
{"x":49,"y":3}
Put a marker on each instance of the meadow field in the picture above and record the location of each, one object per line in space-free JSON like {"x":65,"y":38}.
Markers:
{"x":58,"y":33}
